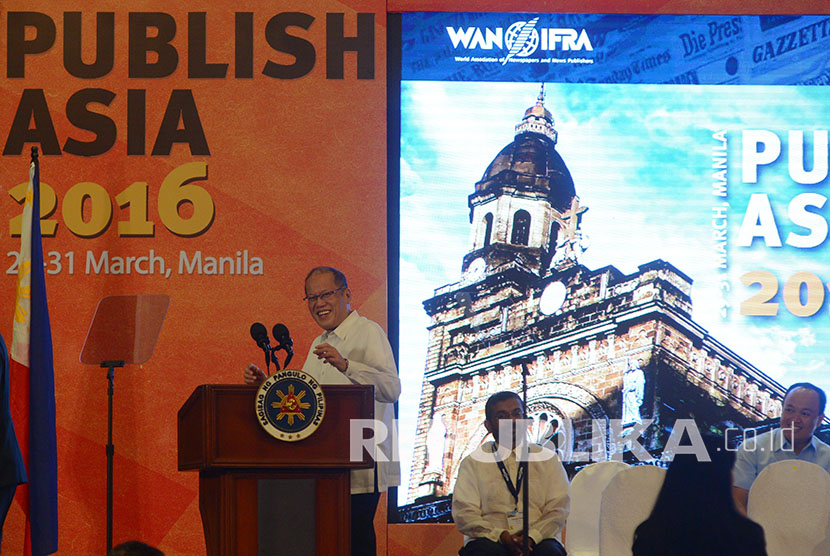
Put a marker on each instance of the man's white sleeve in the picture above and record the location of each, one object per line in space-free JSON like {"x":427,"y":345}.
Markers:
{"x":375,"y":364}
{"x":555,"y":510}
{"x":466,"y":505}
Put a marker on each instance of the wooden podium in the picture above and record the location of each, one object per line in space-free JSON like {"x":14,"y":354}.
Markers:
{"x":260,"y":495}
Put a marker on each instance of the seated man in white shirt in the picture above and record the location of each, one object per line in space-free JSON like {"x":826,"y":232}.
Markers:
{"x":352,"y":350}
{"x":487,"y":499}
{"x":801,"y":412}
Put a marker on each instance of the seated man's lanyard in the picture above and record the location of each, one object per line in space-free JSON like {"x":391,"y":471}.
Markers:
{"x":520,"y":476}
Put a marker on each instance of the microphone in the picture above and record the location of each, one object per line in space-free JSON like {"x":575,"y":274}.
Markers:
{"x":260,"y":335}
{"x":284,"y":341}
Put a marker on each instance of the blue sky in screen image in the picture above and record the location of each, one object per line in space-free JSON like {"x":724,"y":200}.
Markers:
{"x":641,"y":160}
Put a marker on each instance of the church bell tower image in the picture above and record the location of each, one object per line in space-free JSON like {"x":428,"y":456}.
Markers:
{"x":525,"y":202}
{"x":601,"y":349}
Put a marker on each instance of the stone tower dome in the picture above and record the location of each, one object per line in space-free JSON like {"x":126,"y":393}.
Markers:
{"x":522,"y":200}
{"x":530,"y":162}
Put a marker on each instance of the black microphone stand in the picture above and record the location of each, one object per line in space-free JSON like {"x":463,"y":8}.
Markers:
{"x":276,"y":359}
{"x":289,"y":353}
{"x":284,"y":341}
{"x":526,"y":465}
{"x":269,"y":356}
{"x":111,"y":365}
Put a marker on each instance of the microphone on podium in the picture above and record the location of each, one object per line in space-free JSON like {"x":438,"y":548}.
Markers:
{"x":284,"y":341}
{"x":260,"y":335}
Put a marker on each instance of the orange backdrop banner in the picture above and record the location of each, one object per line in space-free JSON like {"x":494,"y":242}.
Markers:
{"x":214,"y":156}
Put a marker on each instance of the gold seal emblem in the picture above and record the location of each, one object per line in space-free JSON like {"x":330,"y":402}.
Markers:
{"x":290,"y":405}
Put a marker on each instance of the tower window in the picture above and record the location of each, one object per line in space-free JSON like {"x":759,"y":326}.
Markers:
{"x":554,"y":236}
{"x":521,"y":228}
{"x":488,"y":228}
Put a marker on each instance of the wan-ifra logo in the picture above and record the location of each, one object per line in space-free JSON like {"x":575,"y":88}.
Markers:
{"x":520,"y":40}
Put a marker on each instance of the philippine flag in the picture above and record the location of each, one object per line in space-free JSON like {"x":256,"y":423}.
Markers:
{"x":32,"y":383}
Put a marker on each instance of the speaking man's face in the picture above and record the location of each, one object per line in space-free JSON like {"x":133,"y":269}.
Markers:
{"x":328,"y":303}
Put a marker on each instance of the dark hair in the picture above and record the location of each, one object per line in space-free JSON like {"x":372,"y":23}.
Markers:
{"x":695,"y":513}
{"x":339,"y":277}
{"x":136,"y":548}
{"x":822,"y":397}
{"x":698,"y":486}
{"x":497,"y":398}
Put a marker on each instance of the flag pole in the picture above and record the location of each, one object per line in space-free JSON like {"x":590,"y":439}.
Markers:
{"x":34,"y":380}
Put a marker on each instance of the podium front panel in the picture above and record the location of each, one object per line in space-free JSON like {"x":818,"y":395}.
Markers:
{"x":232,"y":509}
{"x":246,"y":475}
{"x":218,"y":428}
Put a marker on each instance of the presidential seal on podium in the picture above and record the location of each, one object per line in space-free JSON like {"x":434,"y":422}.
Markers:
{"x":290,"y":405}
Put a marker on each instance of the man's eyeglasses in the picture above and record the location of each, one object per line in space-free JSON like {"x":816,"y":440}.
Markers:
{"x":325,"y":296}
{"x":517,"y":413}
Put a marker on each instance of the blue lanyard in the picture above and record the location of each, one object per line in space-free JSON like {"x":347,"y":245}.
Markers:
{"x":520,"y":476}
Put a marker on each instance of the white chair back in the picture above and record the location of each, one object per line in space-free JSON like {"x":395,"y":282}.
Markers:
{"x":582,"y":530}
{"x":790,"y":499}
{"x":627,"y":501}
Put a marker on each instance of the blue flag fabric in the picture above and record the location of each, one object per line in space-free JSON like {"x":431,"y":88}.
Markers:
{"x":33,"y":382}
{"x":43,"y":451}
